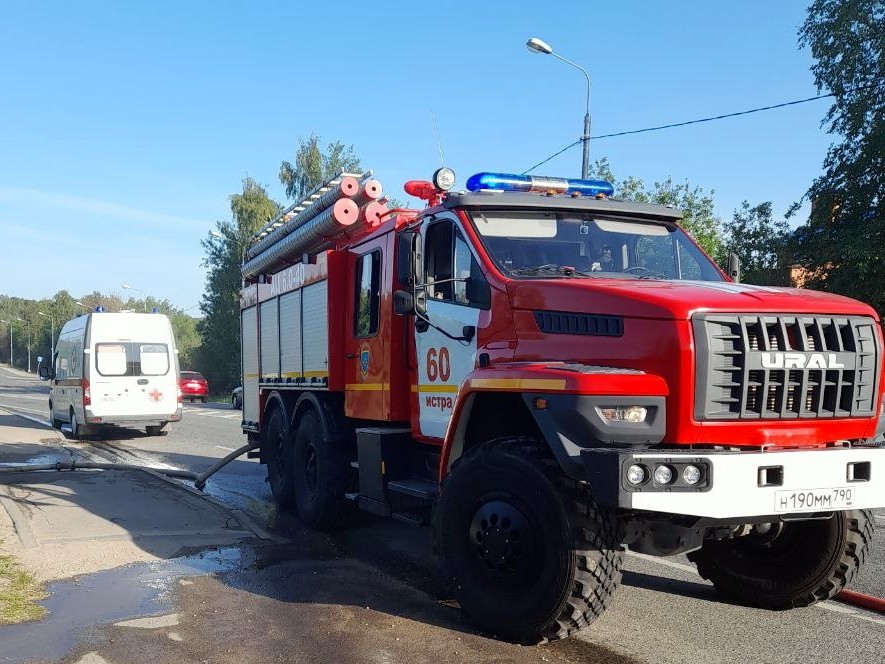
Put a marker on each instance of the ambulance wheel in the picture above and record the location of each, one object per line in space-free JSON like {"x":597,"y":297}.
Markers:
{"x":786,"y":565}
{"x":280,"y":453}
{"x":322,"y":476}
{"x":76,"y":428}
{"x":529,"y":554}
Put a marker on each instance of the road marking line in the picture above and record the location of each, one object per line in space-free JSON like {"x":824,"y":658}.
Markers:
{"x":15,"y":409}
{"x":226,"y":449}
{"x":37,"y":420}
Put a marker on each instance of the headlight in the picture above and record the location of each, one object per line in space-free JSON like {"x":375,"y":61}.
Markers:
{"x":691,"y":475}
{"x":636,"y":474}
{"x":630,"y":414}
{"x":663,"y":475}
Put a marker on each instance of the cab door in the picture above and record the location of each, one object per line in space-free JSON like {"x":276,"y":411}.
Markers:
{"x":367,"y":332}
{"x":446,"y":342}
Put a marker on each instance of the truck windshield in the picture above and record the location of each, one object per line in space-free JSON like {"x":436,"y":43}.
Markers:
{"x":533,"y":245}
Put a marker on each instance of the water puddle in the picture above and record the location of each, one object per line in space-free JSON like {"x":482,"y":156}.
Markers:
{"x":107,"y":597}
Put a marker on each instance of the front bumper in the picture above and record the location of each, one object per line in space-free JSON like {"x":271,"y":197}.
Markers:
{"x":744,"y":484}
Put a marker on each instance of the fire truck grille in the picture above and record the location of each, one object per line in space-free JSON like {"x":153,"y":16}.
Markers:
{"x":779,"y":367}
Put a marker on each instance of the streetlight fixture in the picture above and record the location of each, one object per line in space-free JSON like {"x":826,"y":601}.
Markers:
{"x":51,"y":335}
{"x":127,"y":286}
{"x":536,"y":45}
{"x":23,"y":320}
{"x":9,"y":323}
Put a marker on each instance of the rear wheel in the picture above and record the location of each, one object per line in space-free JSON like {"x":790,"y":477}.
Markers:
{"x":280,"y":459}
{"x":322,"y":476}
{"x":76,"y":432}
{"x":785,"y":565}
{"x":529,"y":553}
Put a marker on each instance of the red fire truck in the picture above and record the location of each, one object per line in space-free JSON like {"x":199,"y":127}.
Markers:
{"x":548,"y":374}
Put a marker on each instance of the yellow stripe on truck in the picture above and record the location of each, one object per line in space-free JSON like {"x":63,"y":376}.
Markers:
{"x":518,"y":383}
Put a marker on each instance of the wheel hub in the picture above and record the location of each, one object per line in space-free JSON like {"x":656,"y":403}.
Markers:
{"x":503,"y":542}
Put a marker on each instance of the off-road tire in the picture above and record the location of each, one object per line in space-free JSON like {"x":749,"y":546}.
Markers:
{"x":809,"y":561}
{"x":280,"y":454}
{"x":322,"y":476}
{"x":561,"y":568}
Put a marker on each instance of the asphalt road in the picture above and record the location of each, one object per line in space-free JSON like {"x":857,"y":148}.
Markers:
{"x":663,"y":613}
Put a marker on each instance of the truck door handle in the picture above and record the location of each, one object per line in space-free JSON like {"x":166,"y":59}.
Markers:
{"x":351,"y":356}
{"x":142,"y":381}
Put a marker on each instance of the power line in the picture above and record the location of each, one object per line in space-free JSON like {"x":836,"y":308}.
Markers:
{"x":699,"y":120}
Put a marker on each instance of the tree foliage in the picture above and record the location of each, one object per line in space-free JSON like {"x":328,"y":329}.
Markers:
{"x":842,"y":243}
{"x":219,"y":355}
{"x":313,"y":166}
{"x":697,"y":206}
{"x":759,"y":241}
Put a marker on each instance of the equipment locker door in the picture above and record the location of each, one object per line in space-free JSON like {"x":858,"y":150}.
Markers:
{"x":367,"y":362}
{"x":456,"y":294}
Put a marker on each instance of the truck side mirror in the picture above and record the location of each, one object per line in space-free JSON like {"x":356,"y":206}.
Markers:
{"x":405,"y":302}
{"x":734,"y":267}
{"x":46,"y":373}
{"x":409,"y":258}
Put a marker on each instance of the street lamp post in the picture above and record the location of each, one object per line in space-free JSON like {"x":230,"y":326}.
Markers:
{"x":51,"y":335}
{"x":9,"y":323}
{"x":128,"y":287}
{"x":24,"y":320}
{"x":536,"y":45}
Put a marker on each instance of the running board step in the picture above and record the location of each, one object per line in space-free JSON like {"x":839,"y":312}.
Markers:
{"x":423,"y":489}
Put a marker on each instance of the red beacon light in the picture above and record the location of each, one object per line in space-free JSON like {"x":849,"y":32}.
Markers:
{"x":432,"y":192}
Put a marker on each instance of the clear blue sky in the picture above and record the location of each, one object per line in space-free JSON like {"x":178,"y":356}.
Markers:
{"x":125,"y":126}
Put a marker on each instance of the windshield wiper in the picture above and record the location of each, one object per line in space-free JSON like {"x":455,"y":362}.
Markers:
{"x":551,"y":268}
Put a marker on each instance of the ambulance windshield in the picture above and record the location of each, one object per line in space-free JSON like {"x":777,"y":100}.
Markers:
{"x":542,"y":244}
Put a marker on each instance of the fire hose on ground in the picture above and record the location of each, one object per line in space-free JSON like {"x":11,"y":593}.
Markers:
{"x":199,"y":479}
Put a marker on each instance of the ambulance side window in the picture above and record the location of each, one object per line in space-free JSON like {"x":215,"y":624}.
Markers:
{"x":368,"y":294}
{"x":451,"y":272}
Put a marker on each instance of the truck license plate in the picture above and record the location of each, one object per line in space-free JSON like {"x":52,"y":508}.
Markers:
{"x":815,"y":500}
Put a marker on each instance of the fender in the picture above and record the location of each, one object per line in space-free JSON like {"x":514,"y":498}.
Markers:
{"x":563,"y":398}
{"x":329,"y":410}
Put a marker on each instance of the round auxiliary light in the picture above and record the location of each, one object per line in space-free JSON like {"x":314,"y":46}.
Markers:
{"x":663,"y":475}
{"x":636,"y":474}
{"x":444,"y":178}
{"x":691,"y":475}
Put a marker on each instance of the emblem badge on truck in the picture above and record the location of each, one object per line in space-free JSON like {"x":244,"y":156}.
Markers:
{"x":364,"y":359}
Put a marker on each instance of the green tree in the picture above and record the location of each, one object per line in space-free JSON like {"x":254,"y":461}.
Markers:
{"x":759,"y":241}
{"x":697,"y":206}
{"x":218,"y":358}
{"x":842,"y":243}
{"x":313,"y":166}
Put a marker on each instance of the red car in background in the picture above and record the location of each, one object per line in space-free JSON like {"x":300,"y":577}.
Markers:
{"x":194,"y":387}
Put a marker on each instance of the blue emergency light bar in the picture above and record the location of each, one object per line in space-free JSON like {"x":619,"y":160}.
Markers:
{"x":540,"y":184}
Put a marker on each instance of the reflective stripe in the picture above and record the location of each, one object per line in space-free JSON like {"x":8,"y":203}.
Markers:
{"x":519,"y":383}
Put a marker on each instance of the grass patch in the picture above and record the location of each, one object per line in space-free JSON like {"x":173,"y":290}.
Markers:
{"x":19,"y":594}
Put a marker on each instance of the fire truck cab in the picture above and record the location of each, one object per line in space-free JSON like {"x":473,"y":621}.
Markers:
{"x":549,"y":374}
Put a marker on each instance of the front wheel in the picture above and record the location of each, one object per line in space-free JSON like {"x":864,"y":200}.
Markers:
{"x":529,"y":553}
{"x":785,"y":565}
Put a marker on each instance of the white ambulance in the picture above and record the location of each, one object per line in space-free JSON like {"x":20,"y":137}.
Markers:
{"x":114,"y":369}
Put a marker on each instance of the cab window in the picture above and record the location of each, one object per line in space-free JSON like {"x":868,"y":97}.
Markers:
{"x":367,"y":298}
{"x":452,"y":274}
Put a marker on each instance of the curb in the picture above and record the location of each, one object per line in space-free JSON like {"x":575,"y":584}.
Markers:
{"x":862,"y":600}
